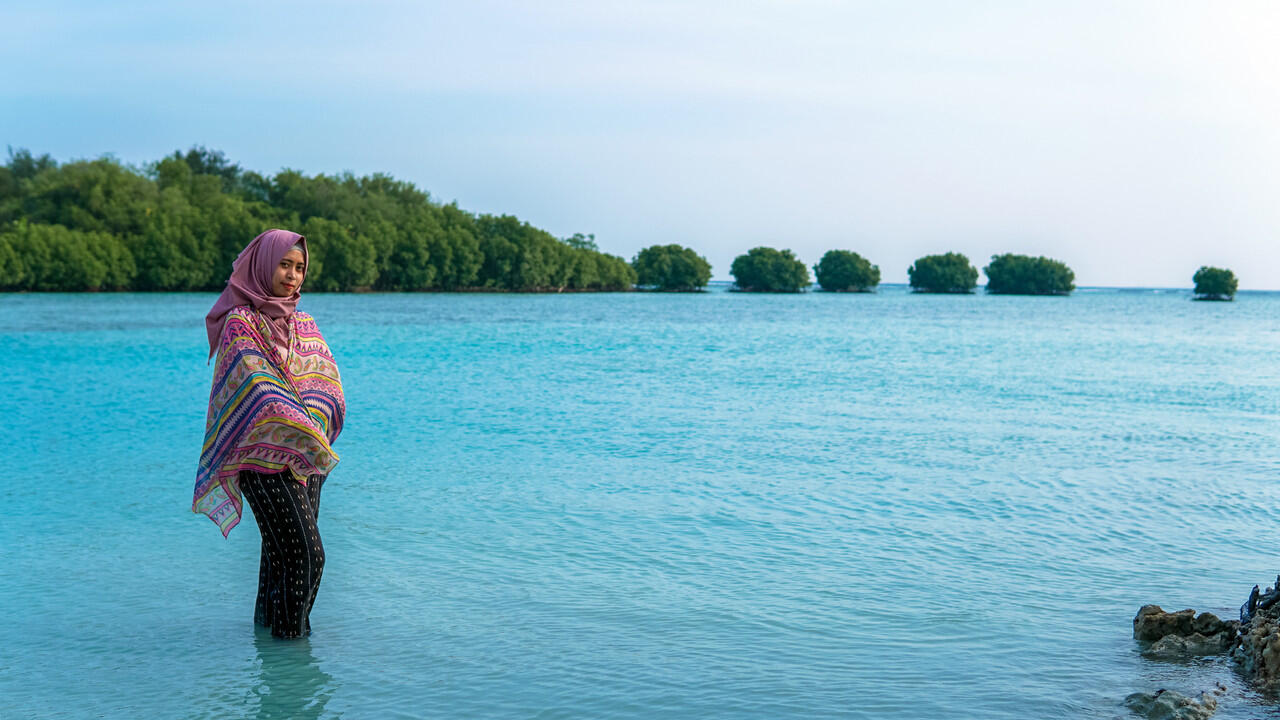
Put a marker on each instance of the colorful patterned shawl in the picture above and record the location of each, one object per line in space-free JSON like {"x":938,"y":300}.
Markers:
{"x":263,"y":420}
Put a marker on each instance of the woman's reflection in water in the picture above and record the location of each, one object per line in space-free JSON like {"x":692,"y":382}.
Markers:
{"x":290,"y":681}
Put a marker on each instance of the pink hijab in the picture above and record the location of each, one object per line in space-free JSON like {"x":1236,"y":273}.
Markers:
{"x":250,"y":284}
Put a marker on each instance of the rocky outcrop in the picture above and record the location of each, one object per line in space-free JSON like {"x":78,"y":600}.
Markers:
{"x":1182,"y":633}
{"x":1175,"y":646}
{"x":1253,"y":642}
{"x":1173,"y":705}
{"x":1152,"y":623}
{"x":1174,"y":635}
{"x":1259,"y":650}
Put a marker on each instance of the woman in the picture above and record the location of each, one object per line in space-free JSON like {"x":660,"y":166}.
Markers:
{"x":275,"y":408}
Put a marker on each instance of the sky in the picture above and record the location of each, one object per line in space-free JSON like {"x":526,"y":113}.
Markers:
{"x":1135,"y":141}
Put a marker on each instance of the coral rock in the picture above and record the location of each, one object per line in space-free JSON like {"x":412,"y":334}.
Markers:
{"x":1258,"y":653}
{"x":1152,"y":623}
{"x":1183,"y":632}
{"x":1194,"y":644}
{"x":1173,"y":705}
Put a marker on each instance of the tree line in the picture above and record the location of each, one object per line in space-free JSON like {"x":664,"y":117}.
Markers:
{"x":178,"y":223}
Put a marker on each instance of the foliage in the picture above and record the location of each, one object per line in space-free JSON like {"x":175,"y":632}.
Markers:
{"x":764,"y":269}
{"x":582,"y":242}
{"x":1010,"y":274}
{"x":846,"y":271}
{"x":1215,"y":283}
{"x":672,"y":268}
{"x":178,"y":223}
{"x":949,"y":273}
{"x":51,"y":257}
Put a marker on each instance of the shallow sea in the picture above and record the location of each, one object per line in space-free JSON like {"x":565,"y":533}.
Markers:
{"x":648,"y":505}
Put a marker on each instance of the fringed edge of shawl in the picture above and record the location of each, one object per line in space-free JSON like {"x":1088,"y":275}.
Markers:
{"x":223,"y":502}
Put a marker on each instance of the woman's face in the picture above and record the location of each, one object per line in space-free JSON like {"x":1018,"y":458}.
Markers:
{"x":289,"y":274}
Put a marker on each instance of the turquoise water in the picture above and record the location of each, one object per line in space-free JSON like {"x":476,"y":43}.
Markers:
{"x":646,"y":505}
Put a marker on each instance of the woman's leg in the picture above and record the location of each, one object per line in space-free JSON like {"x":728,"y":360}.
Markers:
{"x":314,"y":484}
{"x":262,"y":614}
{"x":262,"y":607}
{"x":295,"y":555}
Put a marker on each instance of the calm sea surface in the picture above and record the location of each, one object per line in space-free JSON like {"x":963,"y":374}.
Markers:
{"x":646,"y":506}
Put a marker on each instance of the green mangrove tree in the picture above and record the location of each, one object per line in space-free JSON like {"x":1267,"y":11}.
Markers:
{"x":1010,"y":274}
{"x":1214,"y":283}
{"x":764,"y":269}
{"x":672,"y":268}
{"x":846,"y":271}
{"x":948,"y":273}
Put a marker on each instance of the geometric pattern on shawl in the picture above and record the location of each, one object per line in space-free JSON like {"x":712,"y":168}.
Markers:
{"x":265,"y":420}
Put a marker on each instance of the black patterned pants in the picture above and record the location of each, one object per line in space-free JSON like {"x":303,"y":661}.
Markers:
{"x":292,"y":555}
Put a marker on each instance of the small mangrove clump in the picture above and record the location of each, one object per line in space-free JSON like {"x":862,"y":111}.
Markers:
{"x":846,"y":271}
{"x":1010,"y":274}
{"x":1214,"y":283}
{"x":672,"y":268}
{"x":949,"y":273}
{"x":764,"y":269}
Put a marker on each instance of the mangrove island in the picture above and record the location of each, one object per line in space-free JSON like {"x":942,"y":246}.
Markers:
{"x":764,"y":269}
{"x":1214,"y":284}
{"x":846,"y":271}
{"x":177,"y":224}
{"x":949,"y":273}
{"x":1011,"y":274}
